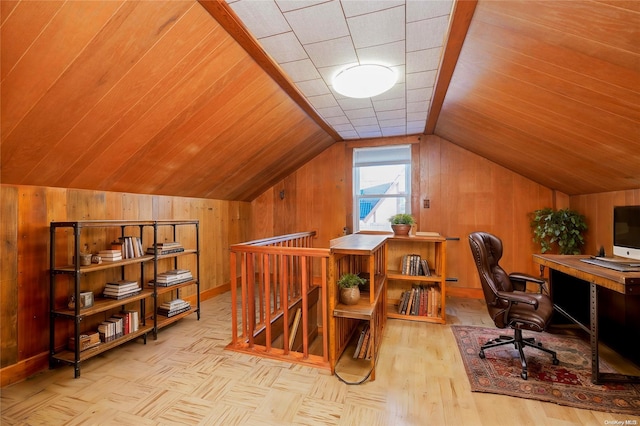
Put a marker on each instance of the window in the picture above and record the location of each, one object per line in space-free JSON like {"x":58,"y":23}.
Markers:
{"x":382,"y":185}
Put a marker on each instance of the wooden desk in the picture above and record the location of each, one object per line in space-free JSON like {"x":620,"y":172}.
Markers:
{"x":626,"y":283}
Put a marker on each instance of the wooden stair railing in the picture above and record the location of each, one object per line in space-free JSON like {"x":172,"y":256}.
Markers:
{"x":277,"y":276}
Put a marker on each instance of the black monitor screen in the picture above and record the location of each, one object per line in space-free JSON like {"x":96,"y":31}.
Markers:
{"x":626,"y":226}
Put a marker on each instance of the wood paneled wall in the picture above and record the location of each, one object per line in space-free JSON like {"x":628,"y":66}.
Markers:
{"x":26,"y":214}
{"x":466,"y":193}
{"x":598,"y":210}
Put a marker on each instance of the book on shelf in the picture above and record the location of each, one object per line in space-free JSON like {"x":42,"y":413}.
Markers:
{"x":363,"y":331}
{"x":110,"y":255}
{"x":413,"y":264}
{"x":364,"y":349}
{"x":420,"y":300}
{"x":130,"y":247}
{"x":166,"y":247}
{"x":172,"y":277}
{"x":121,"y":289}
{"x":173,"y":307}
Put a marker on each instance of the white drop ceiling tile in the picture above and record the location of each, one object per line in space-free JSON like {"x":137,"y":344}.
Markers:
{"x":334,"y":52}
{"x":263,"y":18}
{"x":390,"y":54}
{"x":370,"y":134}
{"x":389,"y":104}
{"x":417,"y":107}
{"x":328,"y":73}
{"x":393,"y":131}
{"x":418,"y":80}
{"x":378,"y":28}
{"x":354,"y":103}
{"x":396,"y":122}
{"x":360,"y":113}
{"x":323,"y":101}
{"x":343,"y":127}
{"x":300,"y":70}
{"x":423,"y":60}
{"x":415,"y":127}
{"x":354,"y":8}
{"x":330,"y":112}
{"x":419,"y":9}
{"x":418,"y":95}
{"x":314,"y":88}
{"x":361,"y":122}
{"x":318,"y":23}
{"x":427,"y":33}
{"x":396,"y":92}
{"x":417,"y":116}
{"x":338,"y":120}
{"x":391,"y":115}
{"x":284,"y":47}
{"x":289,"y":5}
{"x":349,"y":135}
{"x":367,"y":129}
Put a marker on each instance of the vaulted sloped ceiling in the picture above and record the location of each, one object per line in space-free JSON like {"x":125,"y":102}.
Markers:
{"x":172,"y":97}
{"x":142,"y":96}
{"x":551,"y":90}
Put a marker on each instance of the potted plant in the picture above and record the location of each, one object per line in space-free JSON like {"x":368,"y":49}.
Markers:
{"x":561,"y":228}
{"x":349,"y":288}
{"x":401,"y":223}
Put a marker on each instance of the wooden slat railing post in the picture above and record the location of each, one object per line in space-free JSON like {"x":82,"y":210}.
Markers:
{"x":234,"y":298}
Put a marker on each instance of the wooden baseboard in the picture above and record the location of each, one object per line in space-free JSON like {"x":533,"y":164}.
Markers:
{"x":23,"y":369}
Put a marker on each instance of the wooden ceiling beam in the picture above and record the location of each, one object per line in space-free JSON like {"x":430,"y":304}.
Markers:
{"x":227,"y":18}
{"x":460,"y":22}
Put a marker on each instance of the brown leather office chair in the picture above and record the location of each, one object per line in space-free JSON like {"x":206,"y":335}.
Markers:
{"x":508,"y":302}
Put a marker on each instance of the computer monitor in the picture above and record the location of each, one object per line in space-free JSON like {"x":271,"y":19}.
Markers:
{"x":626,"y":232}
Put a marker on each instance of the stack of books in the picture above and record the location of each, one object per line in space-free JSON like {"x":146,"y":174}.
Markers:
{"x":172,"y":277}
{"x":111,"y":329}
{"x":174,"y":307}
{"x":110,"y":255}
{"x":121,"y":289}
{"x":166,"y":247}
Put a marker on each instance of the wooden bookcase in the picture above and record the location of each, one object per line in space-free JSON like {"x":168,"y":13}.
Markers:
{"x":69,"y":278}
{"x":186,"y":230}
{"x":364,"y":255}
{"x":433,"y":250}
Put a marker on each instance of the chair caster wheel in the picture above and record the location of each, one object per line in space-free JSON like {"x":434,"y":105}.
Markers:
{"x":556,"y":361}
{"x":524,"y":375}
{"x":481,"y":354}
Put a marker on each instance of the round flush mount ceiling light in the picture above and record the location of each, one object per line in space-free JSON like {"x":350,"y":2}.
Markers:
{"x":364,"y":81}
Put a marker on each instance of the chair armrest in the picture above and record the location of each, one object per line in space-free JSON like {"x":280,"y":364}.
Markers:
{"x":518,"y":297}
{"x":520,"y":280}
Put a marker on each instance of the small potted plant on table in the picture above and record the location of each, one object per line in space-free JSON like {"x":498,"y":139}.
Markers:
{"x":349,"y":288}
{"x":401,"y":223}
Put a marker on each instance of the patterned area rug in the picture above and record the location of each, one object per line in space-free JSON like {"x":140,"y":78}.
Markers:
{"x":568,"y":383}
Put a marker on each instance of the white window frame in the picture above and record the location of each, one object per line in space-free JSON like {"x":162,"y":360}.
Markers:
{"x":381,"y":156}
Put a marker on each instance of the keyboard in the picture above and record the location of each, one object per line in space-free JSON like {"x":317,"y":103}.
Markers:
{"x":622,"y":267}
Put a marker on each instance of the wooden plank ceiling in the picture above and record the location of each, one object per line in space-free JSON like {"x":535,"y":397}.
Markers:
{"x":145,"y":97}
{"x":551,"y":90}
{"x":159,"y":98}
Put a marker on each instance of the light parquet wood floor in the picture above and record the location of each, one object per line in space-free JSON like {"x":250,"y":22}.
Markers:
{"x":186,"y":377}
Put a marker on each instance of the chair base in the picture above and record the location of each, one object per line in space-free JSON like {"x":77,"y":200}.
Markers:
{"x":519,"y":344}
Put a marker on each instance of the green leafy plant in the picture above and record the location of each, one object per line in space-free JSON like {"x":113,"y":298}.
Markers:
{"x":558,"y":228}
{"x":350,"y":280}
{"x":402,"y":219}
